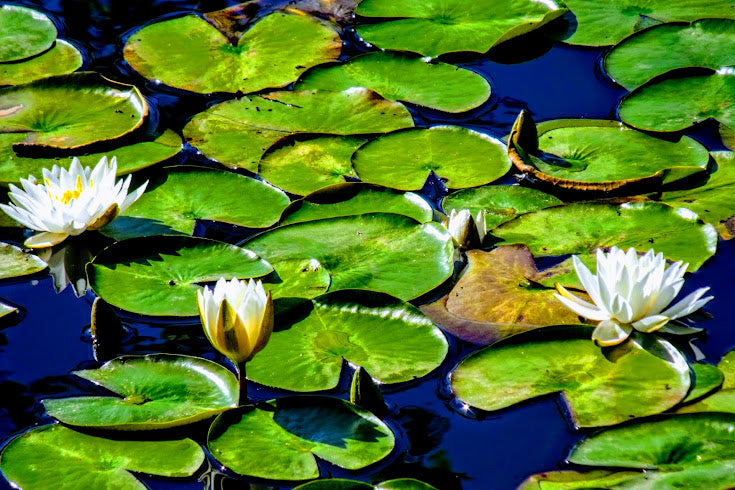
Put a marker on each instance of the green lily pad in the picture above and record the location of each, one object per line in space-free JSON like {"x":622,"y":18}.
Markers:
{"x":722,"y":400}
{"x":281,"y":439}
{"x":436,"y":27}
{"x":681,"y":99}
{"x":160,"y":275}
{"x":94,"y":109}
{"x":298,"y":278}
{"x":238,"y":132}
{"x":54,"y":456}
{"x":342,"y":484}
{"x":25,"y":33}
{"x":382,"y":252}
{"x":130,"y":158}
{"x":707,"y":378}
{"x":392,"y":339}
{"x":581,"y":227}
{"x":567,"y":480}
{"x":188,"y":194}
{"x":156,"y":391}
{"x":500,"y":203}
{"x":63,"y":58}
{"x":15,"y":262}
{"x":606,"y":23}
{"x":189,"y":53}
{"x":597,"y":391}
{"x":354,"y":198}
{"x":304,"y":166}
{"x":404,"y":77}
{"x":404,"y":159}
{"x":6,"y":309}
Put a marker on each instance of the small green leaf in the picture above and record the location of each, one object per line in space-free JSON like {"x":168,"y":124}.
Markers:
{"x":63,"y":58}
{"x":15,"y":262}
{"x":25,"y":33}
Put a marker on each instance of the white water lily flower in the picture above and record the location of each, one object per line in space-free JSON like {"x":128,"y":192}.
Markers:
{"x":237,"y":317}
{"x":460,"y":224}
{"x":68,"y":202}
{"x":630,"y":292}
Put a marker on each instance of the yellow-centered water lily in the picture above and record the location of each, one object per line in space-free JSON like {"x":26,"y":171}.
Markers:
{"x":237,"y":317}
{"x":630,"y":293}
{"x":68,"y":202}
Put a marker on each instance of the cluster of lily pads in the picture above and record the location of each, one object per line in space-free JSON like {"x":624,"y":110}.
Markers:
{"x":327,"y":156}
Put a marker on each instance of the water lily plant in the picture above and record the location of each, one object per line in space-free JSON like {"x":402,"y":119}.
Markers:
{"x":631,"y":292}
{"x":466,"y":230}
{"x":69,"y":202}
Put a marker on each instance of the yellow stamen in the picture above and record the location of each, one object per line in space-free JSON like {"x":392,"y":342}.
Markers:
{"x":68,"y":195}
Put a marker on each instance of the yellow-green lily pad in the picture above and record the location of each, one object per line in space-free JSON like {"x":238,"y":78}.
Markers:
{"x":25,"y":33}
{"x":63,"y":58}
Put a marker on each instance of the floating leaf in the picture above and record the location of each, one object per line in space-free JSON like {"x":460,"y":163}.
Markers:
{"x":188,"y":194}
{"x":404,"y":77}
{"x":354,"y":198}
{"x":189,"y":53}
{"x":63,"y":58}
{"x":15,"y":262}
{"x":156,"y":391}
{"x":25,"y":33}
{"x":281,"y":439}
{"x":380,"y":252}
{"x":707,"y":378}
{"x":6,"y":309}
{"x":298,"y":278}
{"x":404,"y":159}
{"x":341,"y":484}
{"x":391,"y":339}
{"x":436,"y":27}
{"x":56,"y":456}
{"x":160,"y":275}
{"x":581,"y":227}
{"x":572,"y":479}
{"x":237,"y":132}
{"x":722,"y":400}
{"x":597,"y":391}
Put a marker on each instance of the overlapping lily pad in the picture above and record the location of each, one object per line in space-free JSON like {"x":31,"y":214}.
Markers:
{"x":25,"y":33}
{"x":281,"y":440}
{"x":354,"y":198}
{"x":707,"y":378}
{"x":63,"y":58}
{"x":597,"y":391}
{"x":238,"y":132}
{"x":392,"y":339}
{"x":188,"y":194}
{"x":436,"y":27}
{"x":56,"y":456}
{"x":189,"y":53}
{"x":160,"y":275}
{"x":581,"y":227}
{"x":6,"y":309}
{"x":15,"y":262}
{"x":382,"y":252}
{"x":156,"y":391}
{"x":94,"y":109}
{"x":404,"y":159}
{"x":342,"y":484}
{"x":722,"y":400}
{"x":404,"y":77}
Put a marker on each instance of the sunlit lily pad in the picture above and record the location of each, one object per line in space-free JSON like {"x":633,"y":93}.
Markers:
{"x":63,"y":58}
{"x":304,"y":166}
{"x":341,"y":484}
{"x":597,"y":391}
{"x":237,"y":132}
{"x":436,"y":27}
{"x":405,"y":77}
{"x":15,"y":262}
{"x":392,"y":339}
{"x":581,"y":227}
{"x":353,"y":198}
{"x":187,"y":194}
{"x":25,"y":33}
{"x":6,"y":309}
{"x":160,"y":275}
{"x":156,"y":391}
{"x":707,"y":378}
{"x":281,"y":440}
{"x":298,"y":278}
{"x":404,"y":159}
{"x":54,"y":456}
{"x":94,"y":109}
{"x":189,"y":53}
{"x":722,"y":400}
{"x":382,"y":252}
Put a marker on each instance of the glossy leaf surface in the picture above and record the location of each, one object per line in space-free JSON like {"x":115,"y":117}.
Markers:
{"x":26,"y":32}
{"x":722,"y":400}
{"x":15,"y":262}
{"x":63,"y":58}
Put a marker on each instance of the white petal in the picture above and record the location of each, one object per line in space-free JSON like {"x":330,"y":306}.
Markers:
{"x":689,"y":304}
{"x":610,"y":333}
{"x":45,"y":239}
{"x":586,"y":310}
{"x":651,"y":323}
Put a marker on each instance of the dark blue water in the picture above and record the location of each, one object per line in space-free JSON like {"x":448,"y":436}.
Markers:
{"x":441,"y":442}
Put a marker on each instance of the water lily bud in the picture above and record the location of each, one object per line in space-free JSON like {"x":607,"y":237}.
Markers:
{"x":464,"y":228}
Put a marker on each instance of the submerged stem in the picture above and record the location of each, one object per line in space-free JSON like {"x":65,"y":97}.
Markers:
{"x":243,"y":382}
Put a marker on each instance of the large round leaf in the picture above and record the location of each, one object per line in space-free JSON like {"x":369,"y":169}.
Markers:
{"x":160,"y":275}
{"x":94,"y":109}
{"x":435,"y":27}
{"x":156,"y":391}
{"x":25,"y":32}
{"x":722,"y":400}
{"x":189,"y":53}
{"x":597,"y":391}
{"x":582,"y":227}
{"x":238,"y":132}
{"x":404,"y":159}
{"x":188,"y":194}
{"x":15,"y":262}
{"x":282,"y":440}
{"x":390,"y":253}
{"x":63,"y":58}
{"x":405,"y":77}
{"x":391,"y":339}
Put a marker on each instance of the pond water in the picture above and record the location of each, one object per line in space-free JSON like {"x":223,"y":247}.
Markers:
{"x":441,"y":442}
